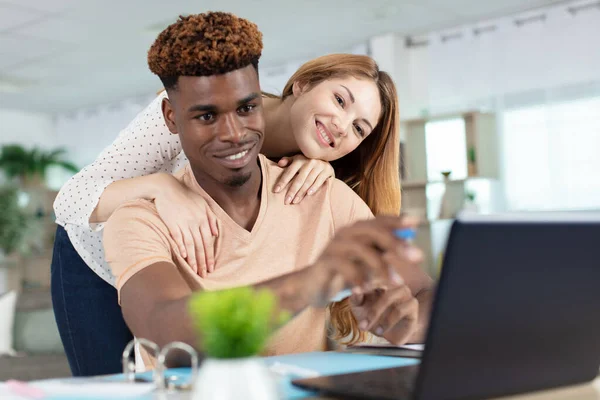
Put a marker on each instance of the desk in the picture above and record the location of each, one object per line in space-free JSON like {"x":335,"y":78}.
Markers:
{"x":332,"y":362}
{"x":589,"y":391}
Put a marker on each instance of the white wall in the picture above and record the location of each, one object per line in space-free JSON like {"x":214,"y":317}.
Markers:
{"x":505,"y":66}
{"x":86,"y":132}
{"x":552,"y":57}
{"x":273,"y":79}
{"x":508,"y":65}
{"x":25,"y":128}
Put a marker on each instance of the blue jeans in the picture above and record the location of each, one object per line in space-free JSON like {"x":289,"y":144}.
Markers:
{"x":89,"y":318}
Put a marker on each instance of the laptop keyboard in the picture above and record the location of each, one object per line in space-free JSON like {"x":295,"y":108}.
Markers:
{"x":385,"y":383}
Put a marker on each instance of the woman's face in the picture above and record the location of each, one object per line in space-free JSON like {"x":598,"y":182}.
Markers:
{"x":332,"y":118}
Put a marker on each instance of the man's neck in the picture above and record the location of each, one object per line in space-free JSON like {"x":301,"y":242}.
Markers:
{"x":241,"y":203}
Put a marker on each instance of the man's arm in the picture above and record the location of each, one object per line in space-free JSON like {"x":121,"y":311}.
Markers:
{"x":346,"y":208}
{"x":155,"y":301}
{"x":154,"y":293}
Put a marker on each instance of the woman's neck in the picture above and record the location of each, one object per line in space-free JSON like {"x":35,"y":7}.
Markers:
{"x":279,"y":138}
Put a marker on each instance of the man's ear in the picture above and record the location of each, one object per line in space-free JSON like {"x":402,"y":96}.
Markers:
{"x":169,"y":115}
{"x":298,"y":88}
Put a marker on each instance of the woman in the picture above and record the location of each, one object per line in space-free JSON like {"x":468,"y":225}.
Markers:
{"x":325,"y":113}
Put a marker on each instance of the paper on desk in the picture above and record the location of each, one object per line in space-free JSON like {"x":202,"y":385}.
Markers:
{"x":81,"y":388}
{"x":419,"y":347}
{"x":5,"y":394}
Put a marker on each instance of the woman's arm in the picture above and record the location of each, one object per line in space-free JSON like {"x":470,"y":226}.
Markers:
{"x":118,"y":192}
{"x":125,"y":171}
{"x":141,"y":149}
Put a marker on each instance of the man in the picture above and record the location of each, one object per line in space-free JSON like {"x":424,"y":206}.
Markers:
{"x":208,"y":65}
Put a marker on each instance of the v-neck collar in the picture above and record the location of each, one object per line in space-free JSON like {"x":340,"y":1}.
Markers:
{"x":222,"y":216}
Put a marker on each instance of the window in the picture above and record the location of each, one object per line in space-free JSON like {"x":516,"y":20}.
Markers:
{"x":445,"y":143}
{"x":552,"y":156}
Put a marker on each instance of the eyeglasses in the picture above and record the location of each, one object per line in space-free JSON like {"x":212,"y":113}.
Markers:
{"x":158,"y":374}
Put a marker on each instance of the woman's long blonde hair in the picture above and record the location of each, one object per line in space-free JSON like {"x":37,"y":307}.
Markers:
{"x":372,"y":169}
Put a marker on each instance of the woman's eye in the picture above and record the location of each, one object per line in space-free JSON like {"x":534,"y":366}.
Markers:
{"x":339,"y":100}
{"x":359,"y":130}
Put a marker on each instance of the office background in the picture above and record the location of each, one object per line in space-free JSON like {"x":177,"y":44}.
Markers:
{"x":502,"y":96}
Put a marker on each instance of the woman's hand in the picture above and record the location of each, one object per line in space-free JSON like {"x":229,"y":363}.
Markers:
{"x":190,"y":221}
{"x":304,"y":176}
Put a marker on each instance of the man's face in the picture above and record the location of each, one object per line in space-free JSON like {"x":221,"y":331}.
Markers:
{"x":220,"y":122}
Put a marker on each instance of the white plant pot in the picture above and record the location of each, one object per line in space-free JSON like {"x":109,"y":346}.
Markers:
{"x":470,"y":208}
{"x":234,"y":379}
{"x":11,"y":274}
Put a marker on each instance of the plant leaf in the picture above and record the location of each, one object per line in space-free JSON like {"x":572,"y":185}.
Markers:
{"x":16,"y":161}
{"x":13,"y":220}
{"x":234,"y":323}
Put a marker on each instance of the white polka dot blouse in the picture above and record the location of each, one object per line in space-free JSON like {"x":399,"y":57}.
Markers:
{"x":144,"y":147}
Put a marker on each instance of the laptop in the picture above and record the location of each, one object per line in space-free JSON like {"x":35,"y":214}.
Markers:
{"x":517,"y":309}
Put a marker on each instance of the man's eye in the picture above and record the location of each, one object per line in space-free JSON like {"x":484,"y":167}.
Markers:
{"x":339,"y":100}
{"x":206,"y":117}
{"x":247,"y":108}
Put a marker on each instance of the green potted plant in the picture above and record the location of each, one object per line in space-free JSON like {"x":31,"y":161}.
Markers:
{"x":13,"y":221}
{"x":13,"y":229}
{"x":233,"y":327}
{"x":31,"y":166}
{"x":470,"y":205}
{"x":471,"y":164}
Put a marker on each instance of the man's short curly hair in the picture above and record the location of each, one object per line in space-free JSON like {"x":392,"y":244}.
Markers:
{"x":211,"y":43}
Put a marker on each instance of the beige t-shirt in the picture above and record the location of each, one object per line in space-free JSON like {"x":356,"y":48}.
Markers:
{"x":284,"y":238}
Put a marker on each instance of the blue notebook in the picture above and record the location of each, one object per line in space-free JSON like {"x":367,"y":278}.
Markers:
{"x":332,"y":364}
{"x":323,"y":363}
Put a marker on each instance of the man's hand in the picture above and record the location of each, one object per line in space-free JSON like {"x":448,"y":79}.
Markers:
{"x":389,"y":312}
{"x":367,"y":252}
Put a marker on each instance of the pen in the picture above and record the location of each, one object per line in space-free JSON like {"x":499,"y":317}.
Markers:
{"x":407,"y":234}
